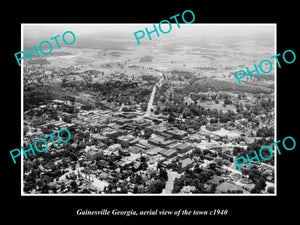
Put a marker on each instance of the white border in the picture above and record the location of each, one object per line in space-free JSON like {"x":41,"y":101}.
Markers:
{"x":154,"y":195}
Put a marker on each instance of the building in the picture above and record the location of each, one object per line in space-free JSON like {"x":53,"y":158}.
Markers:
{"x":166,"y":143}
{"x":128,"y":115}
{"x":122,"y":121}
{"x":185,"y":164}
{"x":115,"y":133}
{"x":114,"y":147}
{"x":92,"y":155}
{"x":177,"y":134}
{"x":160,"y":141}
{"x":154,"y":151}
{"x":196,"y":138}
{"x":168,"y":153}
{"x":157,"y":129}
{"x":100,"y":138}
{"x":184,"y":147}
{"x":155,"y":141}
{"x":124,"y":141}
{"x":187,"y":189}
{"x":142,"y":123}
{"x":135,"y":150}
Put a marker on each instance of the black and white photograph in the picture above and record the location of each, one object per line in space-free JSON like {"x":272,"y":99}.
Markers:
{"x":146,"y":113}
{"x":108,"y":113}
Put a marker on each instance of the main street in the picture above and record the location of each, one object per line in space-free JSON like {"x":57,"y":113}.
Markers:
{"x":150,"y":103}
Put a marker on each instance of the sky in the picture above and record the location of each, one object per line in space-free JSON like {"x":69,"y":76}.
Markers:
{"x":38,"y":30}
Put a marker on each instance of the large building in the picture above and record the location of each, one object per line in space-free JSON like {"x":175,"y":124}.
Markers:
{"x":184,"y":147}
{"x":177,"y":134}
{"x":168,"y":153}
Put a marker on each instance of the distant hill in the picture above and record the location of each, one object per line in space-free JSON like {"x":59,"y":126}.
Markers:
{"x":146,"y":58}
{"x":39,"y":61}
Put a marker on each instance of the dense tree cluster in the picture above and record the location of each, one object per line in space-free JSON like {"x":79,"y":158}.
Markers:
{"x":197,"y":177}
{"x":33,"y":99}
{"x":265,"y":132}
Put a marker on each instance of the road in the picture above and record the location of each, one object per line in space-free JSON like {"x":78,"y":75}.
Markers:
{"x":170,"y":182}
{"x":150,"y":103}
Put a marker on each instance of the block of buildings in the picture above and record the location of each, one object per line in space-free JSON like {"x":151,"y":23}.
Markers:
{"x":168,"y":153}
{"x":154,"y":151}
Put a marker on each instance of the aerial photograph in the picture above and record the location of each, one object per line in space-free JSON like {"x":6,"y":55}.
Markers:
{"x":166,"y":117}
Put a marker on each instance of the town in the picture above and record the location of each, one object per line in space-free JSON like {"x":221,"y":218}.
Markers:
{"x":167,"y":132}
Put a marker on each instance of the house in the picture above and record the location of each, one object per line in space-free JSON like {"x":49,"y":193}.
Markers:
{"x":185,"y":164}
{"x":165,"y":143}
{"x":187,"y":189}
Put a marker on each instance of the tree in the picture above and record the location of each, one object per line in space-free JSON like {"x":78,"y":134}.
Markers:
{"x":135,"y":189}
{"x":197,"y":151}
{"x":147,"y":133}
{"x":65,"y":163}
{"x":265,"y":132}
{"x":157,"y":186}
{"x":124,"y":189}
{"x":219,"y":162}
{"x":261,"y":185}
{"x":171,"y":118}
{"x":270,"y":189}
{"x":212,"y":166}
{"x":178,"y":184}
{"x":45,"y":188}
{"x":28,"y":186}
{"x":163,"y":174}
{"x":254,"y":174}
{"x":213,"y":188}
{"x":73,"y":185}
